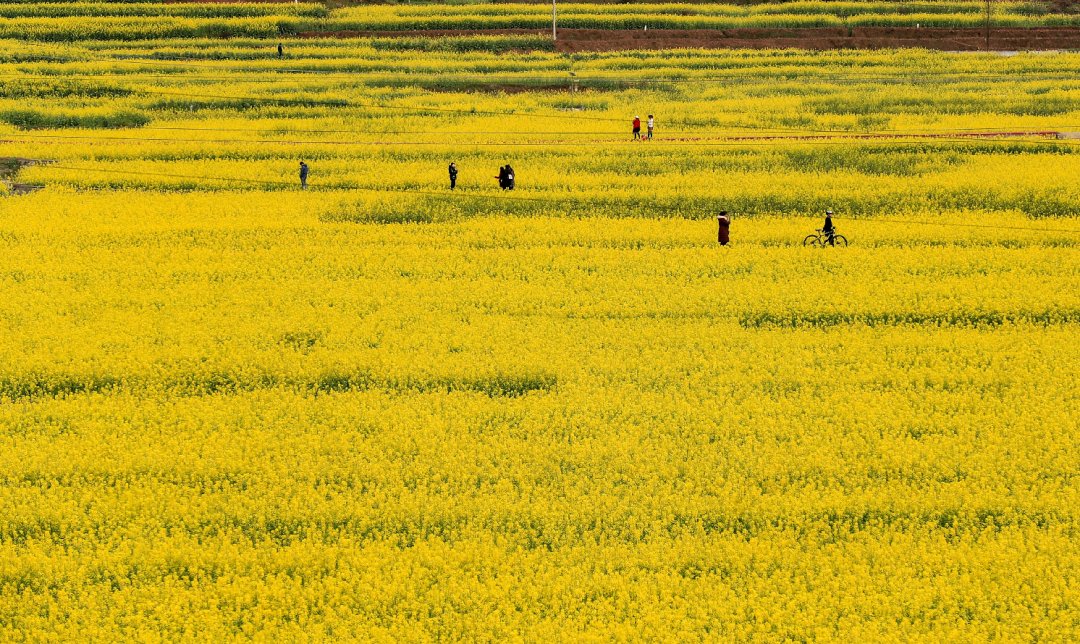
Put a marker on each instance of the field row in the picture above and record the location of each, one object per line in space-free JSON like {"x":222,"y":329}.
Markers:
{"x":523,"y":425}
{"x":77,"y":21}
{"x":377,"y":408}
{"x":391,"y":187}
{"x":366,"y":313}
{"x":866,"y":134}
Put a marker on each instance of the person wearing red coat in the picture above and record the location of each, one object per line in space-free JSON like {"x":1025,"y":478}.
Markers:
{"x":723,"y":235}
{"x":637,"y":128}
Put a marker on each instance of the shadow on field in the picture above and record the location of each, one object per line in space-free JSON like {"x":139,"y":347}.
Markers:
{"x":37,"y":385}
{"x":9,"y":170}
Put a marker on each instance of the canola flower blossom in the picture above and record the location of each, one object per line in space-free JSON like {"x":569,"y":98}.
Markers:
{"x":233,"y":409}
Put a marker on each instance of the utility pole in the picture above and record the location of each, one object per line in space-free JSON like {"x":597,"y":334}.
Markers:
{"x":554,"y":13}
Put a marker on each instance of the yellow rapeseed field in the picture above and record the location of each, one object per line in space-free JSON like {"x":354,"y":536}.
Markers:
{"x":379,"y":410}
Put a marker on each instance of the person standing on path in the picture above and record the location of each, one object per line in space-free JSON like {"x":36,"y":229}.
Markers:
{"x":723,"y":234}
{"x":637,"y":128}
{"x":453,"y":175}
{"x":649,"y":124}
{"x":303,"y":175}
{"x":828,"y":229}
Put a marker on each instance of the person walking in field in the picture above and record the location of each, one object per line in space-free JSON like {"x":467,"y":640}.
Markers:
{"x":637,"y":128}
{"x":280,"y":51}
{"x":453,"y":175}
{"x":509,"y":177}
{"x":828,"y":229}
{"x":723,"y":234}
{"x":303,"y":175}
{"x":502,"y":177}
{"x":650,"y":124}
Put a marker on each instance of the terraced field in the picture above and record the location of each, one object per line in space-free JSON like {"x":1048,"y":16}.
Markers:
{"x":955,"y":25}
{"x":378,"y":409}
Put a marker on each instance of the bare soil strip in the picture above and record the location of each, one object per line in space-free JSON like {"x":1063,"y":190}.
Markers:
{"x":960,"y":39}
{"x":9,"y":169}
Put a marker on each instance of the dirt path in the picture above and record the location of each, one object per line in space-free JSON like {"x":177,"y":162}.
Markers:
{"x":574,"y":40}
{"x":9,"y":170}
{"x":858,"y":38}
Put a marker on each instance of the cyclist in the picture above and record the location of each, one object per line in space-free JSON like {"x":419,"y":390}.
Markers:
{"x":828,"y":229}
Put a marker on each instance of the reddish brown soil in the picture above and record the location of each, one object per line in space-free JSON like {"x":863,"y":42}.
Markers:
{"x":573,"y":40}
{"x":424,"y":33}
{"x":1059,"y":6}
{"x":226,"y":1}
{"x":859,"y":38}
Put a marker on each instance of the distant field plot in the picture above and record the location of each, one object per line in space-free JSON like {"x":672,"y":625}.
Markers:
{"x":79,"y":21}
{"x":375,"y":408}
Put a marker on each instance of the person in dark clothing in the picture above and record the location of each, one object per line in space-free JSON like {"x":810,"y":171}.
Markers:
{"x":502,"y":177}
{"x":828,"y":229}
{"x":509,"y":177}
{"x":453,"y":175}
{"x":723,"y":234}
{"x":303,"y":175}
{"x":280,"y":51}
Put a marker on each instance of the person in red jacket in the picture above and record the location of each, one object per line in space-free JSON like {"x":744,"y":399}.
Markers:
{"x":637,"y":128}
{"x":724,"y":224}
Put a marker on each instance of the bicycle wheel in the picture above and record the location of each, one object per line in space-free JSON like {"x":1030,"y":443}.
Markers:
{"x":839,"y":240}
{"x":811,"y":240}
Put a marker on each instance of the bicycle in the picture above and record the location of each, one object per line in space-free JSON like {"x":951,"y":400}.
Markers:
{"x":823,"y":239}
